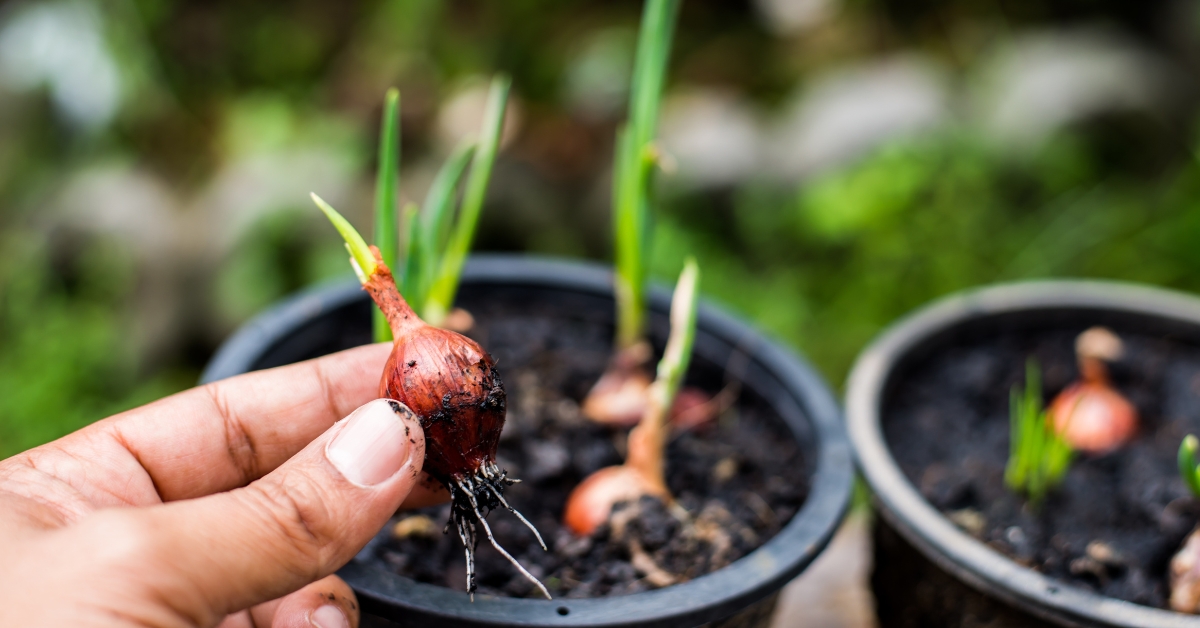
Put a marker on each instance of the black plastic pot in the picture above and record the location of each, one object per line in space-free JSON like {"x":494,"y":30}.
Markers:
{"x":925,"y":565}
{"x":336,"y":317}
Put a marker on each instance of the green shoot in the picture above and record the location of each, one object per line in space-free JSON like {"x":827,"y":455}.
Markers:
{"x":648,"y":441}
{"x":1188,"y":469}
{"x":678,"y":354}
{"x":1038,"y":456}
{"x":445,"y":283}
{"x":427,"y":263}
{"x":360,"y":254}
{"x":387,"y":232}
{"x":634,"y":161}
{"x":435,"y":222}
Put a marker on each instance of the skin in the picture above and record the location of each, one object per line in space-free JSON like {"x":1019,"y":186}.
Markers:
{"x":216,"y":506}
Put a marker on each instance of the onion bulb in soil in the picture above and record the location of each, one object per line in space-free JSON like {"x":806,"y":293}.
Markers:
{"x":643,"y":474}
{"x":620,"y":397}
{"x":1185,"y":576}
{"x":451,"y":383}
{"x":1090,"y":414}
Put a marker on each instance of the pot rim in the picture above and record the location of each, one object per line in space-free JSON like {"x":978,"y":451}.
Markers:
{"x":924,"y":526}
{"x":704,"y":599}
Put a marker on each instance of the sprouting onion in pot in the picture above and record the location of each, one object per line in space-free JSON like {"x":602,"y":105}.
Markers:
{"x":643,"y":473}
{"x":1038,"y":455}
{"x":619,"y":398}
{"x":1090,"y":414}
{"x":447,"y":379}
{"x":1184,"y":573}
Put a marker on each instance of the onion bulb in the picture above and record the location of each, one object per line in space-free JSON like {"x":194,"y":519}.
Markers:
{"x":452,"y":384}
{"x":1090,"y":414}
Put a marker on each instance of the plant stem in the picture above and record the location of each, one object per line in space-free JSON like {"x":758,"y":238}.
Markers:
{"x":445,"y":284}
{"x":1187,"y":464}
{"x":648,"y":440}
{"x":361,"y":257}
{"x":387,"y":230}
{"x":633,"y":165}
{"x":437,"y":218}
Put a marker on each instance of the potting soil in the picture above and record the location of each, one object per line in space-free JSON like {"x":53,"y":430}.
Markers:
{"x":1117,"y":519}
{"x":737,"y":480}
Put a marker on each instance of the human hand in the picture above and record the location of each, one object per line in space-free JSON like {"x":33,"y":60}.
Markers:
{"x":230,"y":503}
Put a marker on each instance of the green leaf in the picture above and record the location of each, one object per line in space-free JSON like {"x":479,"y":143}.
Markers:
{"x":438,"y":213}
{"x":1038,"y":456}
{"x":445,"y":284}
{"x":361,"y":257}
{"x":633,"y":165}
{"x":1187,"y":463}
{"x":387,"y":231}
{"x":412,"y":286}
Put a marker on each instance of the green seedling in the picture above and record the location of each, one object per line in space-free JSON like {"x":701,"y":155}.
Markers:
{"x":635,"y":160}
{"x":428,"y":260}
{"x":1038,"y":456}
{"x":644,"y":471}
{"x":1189,"y":470}
{"x":618,"y":397}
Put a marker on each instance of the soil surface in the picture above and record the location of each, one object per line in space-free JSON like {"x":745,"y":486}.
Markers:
{"x":1116,"y":520}
{"x":737,"y":480}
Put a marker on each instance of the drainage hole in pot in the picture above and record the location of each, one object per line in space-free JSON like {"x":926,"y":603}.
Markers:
{"x":562,"y":610}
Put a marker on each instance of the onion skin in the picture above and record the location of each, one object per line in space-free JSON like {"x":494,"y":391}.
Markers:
{"x":618,"y":398}
{"x":1093,"y":417}
{"x":1185,"y":576}
{"x":452,"y":384}
{"x":1090,"y":414}
{"x":592,"y":500}
{"x":447,"y":379}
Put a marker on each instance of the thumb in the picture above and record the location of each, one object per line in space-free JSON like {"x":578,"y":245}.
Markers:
{"x":297,"y":524}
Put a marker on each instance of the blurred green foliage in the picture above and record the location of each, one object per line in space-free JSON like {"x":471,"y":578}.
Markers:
{"x":229,"y":113}
{"x":826,"y":267}
{"x":65,"y":359}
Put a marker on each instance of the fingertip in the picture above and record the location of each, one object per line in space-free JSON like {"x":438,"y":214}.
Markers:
{"x":326,"y":603}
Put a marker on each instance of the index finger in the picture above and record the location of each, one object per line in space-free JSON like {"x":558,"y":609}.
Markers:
{"x":228,"y":433}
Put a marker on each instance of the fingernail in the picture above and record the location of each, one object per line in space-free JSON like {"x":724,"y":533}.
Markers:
{"x":374,"y":444}
{"x":329,"y":616}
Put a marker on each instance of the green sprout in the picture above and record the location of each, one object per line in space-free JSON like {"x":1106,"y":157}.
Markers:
{"x":387,"y":231}
{"x":427,"y":262}
{"x":1188,"y":469}
{"x":635,"y":160}
{"x":1038,"y":456}
{"x":677,"y":355}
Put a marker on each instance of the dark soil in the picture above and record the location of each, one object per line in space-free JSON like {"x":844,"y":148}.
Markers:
{"x":738,"y":480}
{"x":1116,"y":520}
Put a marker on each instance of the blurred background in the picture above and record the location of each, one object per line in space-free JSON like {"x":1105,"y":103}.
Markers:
{"x":838,"y":162}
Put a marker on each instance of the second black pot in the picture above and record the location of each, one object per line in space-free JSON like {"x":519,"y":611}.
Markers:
{"x":929,"y":572}
{"x":337,"y":317}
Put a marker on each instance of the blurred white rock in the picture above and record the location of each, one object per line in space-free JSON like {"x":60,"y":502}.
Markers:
{"x":247,"y":189}
{"x":598,"y":75}
{"x":61,"y":46}
{"x":786,"y":17}
{"x":461,"y":114}
{"x":712,"y":135}
{"x":846,"y":113}
{"x":124,"y":202}
{"x":1042,"y":81}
